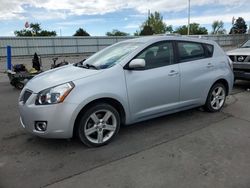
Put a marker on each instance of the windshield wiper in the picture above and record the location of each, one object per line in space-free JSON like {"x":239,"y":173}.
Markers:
{"x":88,"y":66}
{"x":78,"y":64}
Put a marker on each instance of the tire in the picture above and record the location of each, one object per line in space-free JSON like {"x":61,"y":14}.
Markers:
{"x":216,"y":98}
{"x":19,"y":85}
{"x":99,"y":125}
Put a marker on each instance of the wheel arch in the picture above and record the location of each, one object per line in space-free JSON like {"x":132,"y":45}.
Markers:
{"x":111,"y":101}
{"x":224,"y":82}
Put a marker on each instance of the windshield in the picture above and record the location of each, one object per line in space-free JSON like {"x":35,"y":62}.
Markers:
{"x":246,"y":44}
{"x":110,"y":56}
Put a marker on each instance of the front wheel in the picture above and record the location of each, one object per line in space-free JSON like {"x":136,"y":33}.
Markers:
{"x":216,"y":98}
{"x":99,"y":125}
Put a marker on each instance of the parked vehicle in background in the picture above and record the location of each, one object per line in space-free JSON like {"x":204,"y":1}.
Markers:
{"x":241,"y":61}
{"x":125,"y":83}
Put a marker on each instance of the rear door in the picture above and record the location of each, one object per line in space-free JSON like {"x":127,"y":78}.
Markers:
{"x":196,"y":69}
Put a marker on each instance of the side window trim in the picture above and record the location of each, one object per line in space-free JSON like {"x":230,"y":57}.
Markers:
{"x":174,"y":54}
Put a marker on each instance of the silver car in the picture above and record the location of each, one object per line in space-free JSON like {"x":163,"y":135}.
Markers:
{"x":128,"y":82}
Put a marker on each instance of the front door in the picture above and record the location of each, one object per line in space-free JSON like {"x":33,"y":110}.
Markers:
{"x":155,"y":89}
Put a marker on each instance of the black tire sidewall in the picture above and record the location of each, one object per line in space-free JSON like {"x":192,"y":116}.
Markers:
{"x":84,"y":118}
{"x":19,"y":85}
{"x":208,"y":106}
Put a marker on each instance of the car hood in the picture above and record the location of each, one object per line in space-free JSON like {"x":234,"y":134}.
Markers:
{"x":239,"y":51}
{"x":58,"y":76}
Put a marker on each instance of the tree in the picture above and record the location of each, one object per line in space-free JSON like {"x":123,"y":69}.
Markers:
{"x":239,"y":27}
{"x":146,"y":30}
{"x":34,"y":30}
{"x":23,"y":33}
{"x":195,"y":29}
{"x":154,"y":25}
{"x":81,"y":32}
{"x":218,"y":27}
{"x":169,"y":29}
{"x":116,"y":32}
{"x":45,"y":33}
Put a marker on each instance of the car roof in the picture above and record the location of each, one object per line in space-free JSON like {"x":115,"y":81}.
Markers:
{"x":157,"y":38}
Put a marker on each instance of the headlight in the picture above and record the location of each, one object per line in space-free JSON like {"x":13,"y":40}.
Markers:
{"x":55,"y":94}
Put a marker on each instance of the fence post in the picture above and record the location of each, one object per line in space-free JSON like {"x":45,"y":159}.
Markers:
{"x":97,"y":41}
{"x":8,"y":57}
{"x":77,"y":46}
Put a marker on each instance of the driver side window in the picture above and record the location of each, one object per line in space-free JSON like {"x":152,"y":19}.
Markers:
{"x":158,"y":55}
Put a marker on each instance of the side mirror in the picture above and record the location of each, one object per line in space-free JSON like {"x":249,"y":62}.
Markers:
{"x":137,"y":63}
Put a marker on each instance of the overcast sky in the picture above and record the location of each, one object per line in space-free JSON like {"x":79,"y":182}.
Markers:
{"x":99,"y":16}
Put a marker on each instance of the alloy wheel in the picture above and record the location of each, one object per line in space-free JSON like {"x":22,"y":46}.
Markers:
{"x":100,"y":126}
{"x":217,"y":98}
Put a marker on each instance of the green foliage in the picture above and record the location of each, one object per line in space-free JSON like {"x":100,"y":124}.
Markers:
{"x":195,"y":29}
{"x":239,"y":27}
{"x":146,"y":30}
{"x":23,"y":33}
{"x":154,"y":25}
{"x":218,"y":27}
{"x":116,"y":32}
{"x":81,"y":32}
{"x":34,"y":30}
{"x":181,"y":30}
{"x":45,"y":33}
{"x":169,"y":29}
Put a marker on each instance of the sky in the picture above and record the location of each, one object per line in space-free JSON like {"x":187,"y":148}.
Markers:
{"x":100,"y":16}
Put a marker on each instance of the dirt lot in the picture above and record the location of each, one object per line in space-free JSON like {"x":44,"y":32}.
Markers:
{"x":188,"y":149}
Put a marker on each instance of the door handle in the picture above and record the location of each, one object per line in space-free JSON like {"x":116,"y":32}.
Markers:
{"x":210,"y":65}
{"x":173,"y":73}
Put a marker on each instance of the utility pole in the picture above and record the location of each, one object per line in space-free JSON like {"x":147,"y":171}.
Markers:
{"x":188,"y":31}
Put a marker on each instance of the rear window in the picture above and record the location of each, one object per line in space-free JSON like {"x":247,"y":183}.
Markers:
{"x":210,"y":49}
{"x":189,"y":51}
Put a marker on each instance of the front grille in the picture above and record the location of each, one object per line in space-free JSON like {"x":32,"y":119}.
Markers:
{"x":241,"y":58}
{"x":232,"y":58}
{"x":26,"y":96}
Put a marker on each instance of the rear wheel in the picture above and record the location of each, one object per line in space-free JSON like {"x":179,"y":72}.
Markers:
{"x":99,"y":125}
{"x":216,"y":98}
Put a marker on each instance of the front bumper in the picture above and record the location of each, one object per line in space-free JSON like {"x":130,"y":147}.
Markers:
{"x":239,"y":65}
{"x":241,"y":70}
{"x":240,"y":74}
{"x":60,"y":118}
